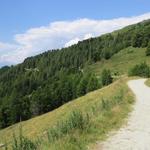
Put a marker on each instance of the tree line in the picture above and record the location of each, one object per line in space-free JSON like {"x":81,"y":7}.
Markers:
{"x":47,"y":81}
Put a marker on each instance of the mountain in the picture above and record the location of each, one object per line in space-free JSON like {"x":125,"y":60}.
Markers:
{"x":45,"y":82}
{"x":76,"y":124}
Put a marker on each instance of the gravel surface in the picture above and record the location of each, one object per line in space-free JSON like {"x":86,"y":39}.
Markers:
{"x":136,"y":134}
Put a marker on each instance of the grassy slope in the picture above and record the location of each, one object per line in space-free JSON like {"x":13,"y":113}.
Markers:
{"x":100,"y":124}
{"x":120,"y":62}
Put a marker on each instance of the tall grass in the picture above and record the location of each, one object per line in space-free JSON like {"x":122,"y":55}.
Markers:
{"x":77,"y":121}
{"x":23,"y":143}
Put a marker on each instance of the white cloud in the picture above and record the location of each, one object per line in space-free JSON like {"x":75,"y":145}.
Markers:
{"x":59,"y":34}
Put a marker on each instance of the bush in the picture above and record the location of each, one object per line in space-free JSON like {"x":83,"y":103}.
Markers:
{"x":142,"y":70}
{"x":92,"y":84}
{"x":106,"y":77}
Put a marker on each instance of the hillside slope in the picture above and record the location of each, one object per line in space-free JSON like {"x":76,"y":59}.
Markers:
{"x":127,"y":58}
{"x":45,"y":82}
{"x":121,"y":62}
{"x":106,"y":109}
{"x":135,"y":134}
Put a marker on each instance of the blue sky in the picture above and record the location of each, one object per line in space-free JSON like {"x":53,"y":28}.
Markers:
{"x":21,"y":20}
{"x":18,"y":15}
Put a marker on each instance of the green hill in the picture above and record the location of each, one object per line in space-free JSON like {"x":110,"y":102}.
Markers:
{"x":121,"y":62}
{"x":38,"y":125}
{"x":45,"y":82}
{"x":106,"y":109}
{"x":67,"y":77}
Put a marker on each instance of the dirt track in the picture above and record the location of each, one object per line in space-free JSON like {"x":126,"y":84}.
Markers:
{"x":136,"y":134}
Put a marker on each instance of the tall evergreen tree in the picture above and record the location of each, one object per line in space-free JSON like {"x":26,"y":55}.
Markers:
{"x":92,"y":84}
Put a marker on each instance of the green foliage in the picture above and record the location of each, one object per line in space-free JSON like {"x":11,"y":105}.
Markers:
{"x":140,"y":38}
{"x":76,"y":121}
{"x":137,"y":40}
{"x":4,"y":116}
{"x":64,"y":87}
{"x":88,"y":83}
{"x":47,"y":81}
{"x":92,"y":84}
{"x":106,"y":77}
{"x":107,"y":54}
{"x":148,"y":50}
{"x":23,"y":143}
{"x":78,"y":128}
{"x":81,"y":89}
{"x":142,"y":70}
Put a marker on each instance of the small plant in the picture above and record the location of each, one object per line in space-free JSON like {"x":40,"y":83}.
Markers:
{"x":142,"y":70}
{"x":105,"y":104}
{"x":130,"y":51}
{"x":76,"y":120}
{"x":22,"y":143}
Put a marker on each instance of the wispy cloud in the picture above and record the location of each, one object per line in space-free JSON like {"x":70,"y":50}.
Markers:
{"x":59,"y":34}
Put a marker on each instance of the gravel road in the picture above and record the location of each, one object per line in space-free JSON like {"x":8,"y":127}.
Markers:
{"x":136,"y":134}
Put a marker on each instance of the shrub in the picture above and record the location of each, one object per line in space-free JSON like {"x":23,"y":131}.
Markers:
{"x":106,"y":77}
{"x":105,"y":104}
{"x":76,"y":120}
{"x":107,"y":54}
{"x":142,"y":70}
{"x":92,"y":84}
{"x":23,"y":143}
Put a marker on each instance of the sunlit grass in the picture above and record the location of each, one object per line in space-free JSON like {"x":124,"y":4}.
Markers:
{"x":121,"y":62}
{"x":80,"y":122}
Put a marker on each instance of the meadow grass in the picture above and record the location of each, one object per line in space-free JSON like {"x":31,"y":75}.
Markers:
{"x":77,"y":124}
{"x":40,"y":126}
{"x":121,"y":62}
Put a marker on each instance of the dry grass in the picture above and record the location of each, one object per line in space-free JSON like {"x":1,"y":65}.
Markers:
{"x":120,"y":63}
{"x":113,"y":119}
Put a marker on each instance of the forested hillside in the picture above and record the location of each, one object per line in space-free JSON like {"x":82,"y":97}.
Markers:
{"x":47,"y":81}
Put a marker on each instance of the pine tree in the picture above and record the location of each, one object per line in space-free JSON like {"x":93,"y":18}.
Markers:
{"x":92,"y":84}
{"x":81,"y":89}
